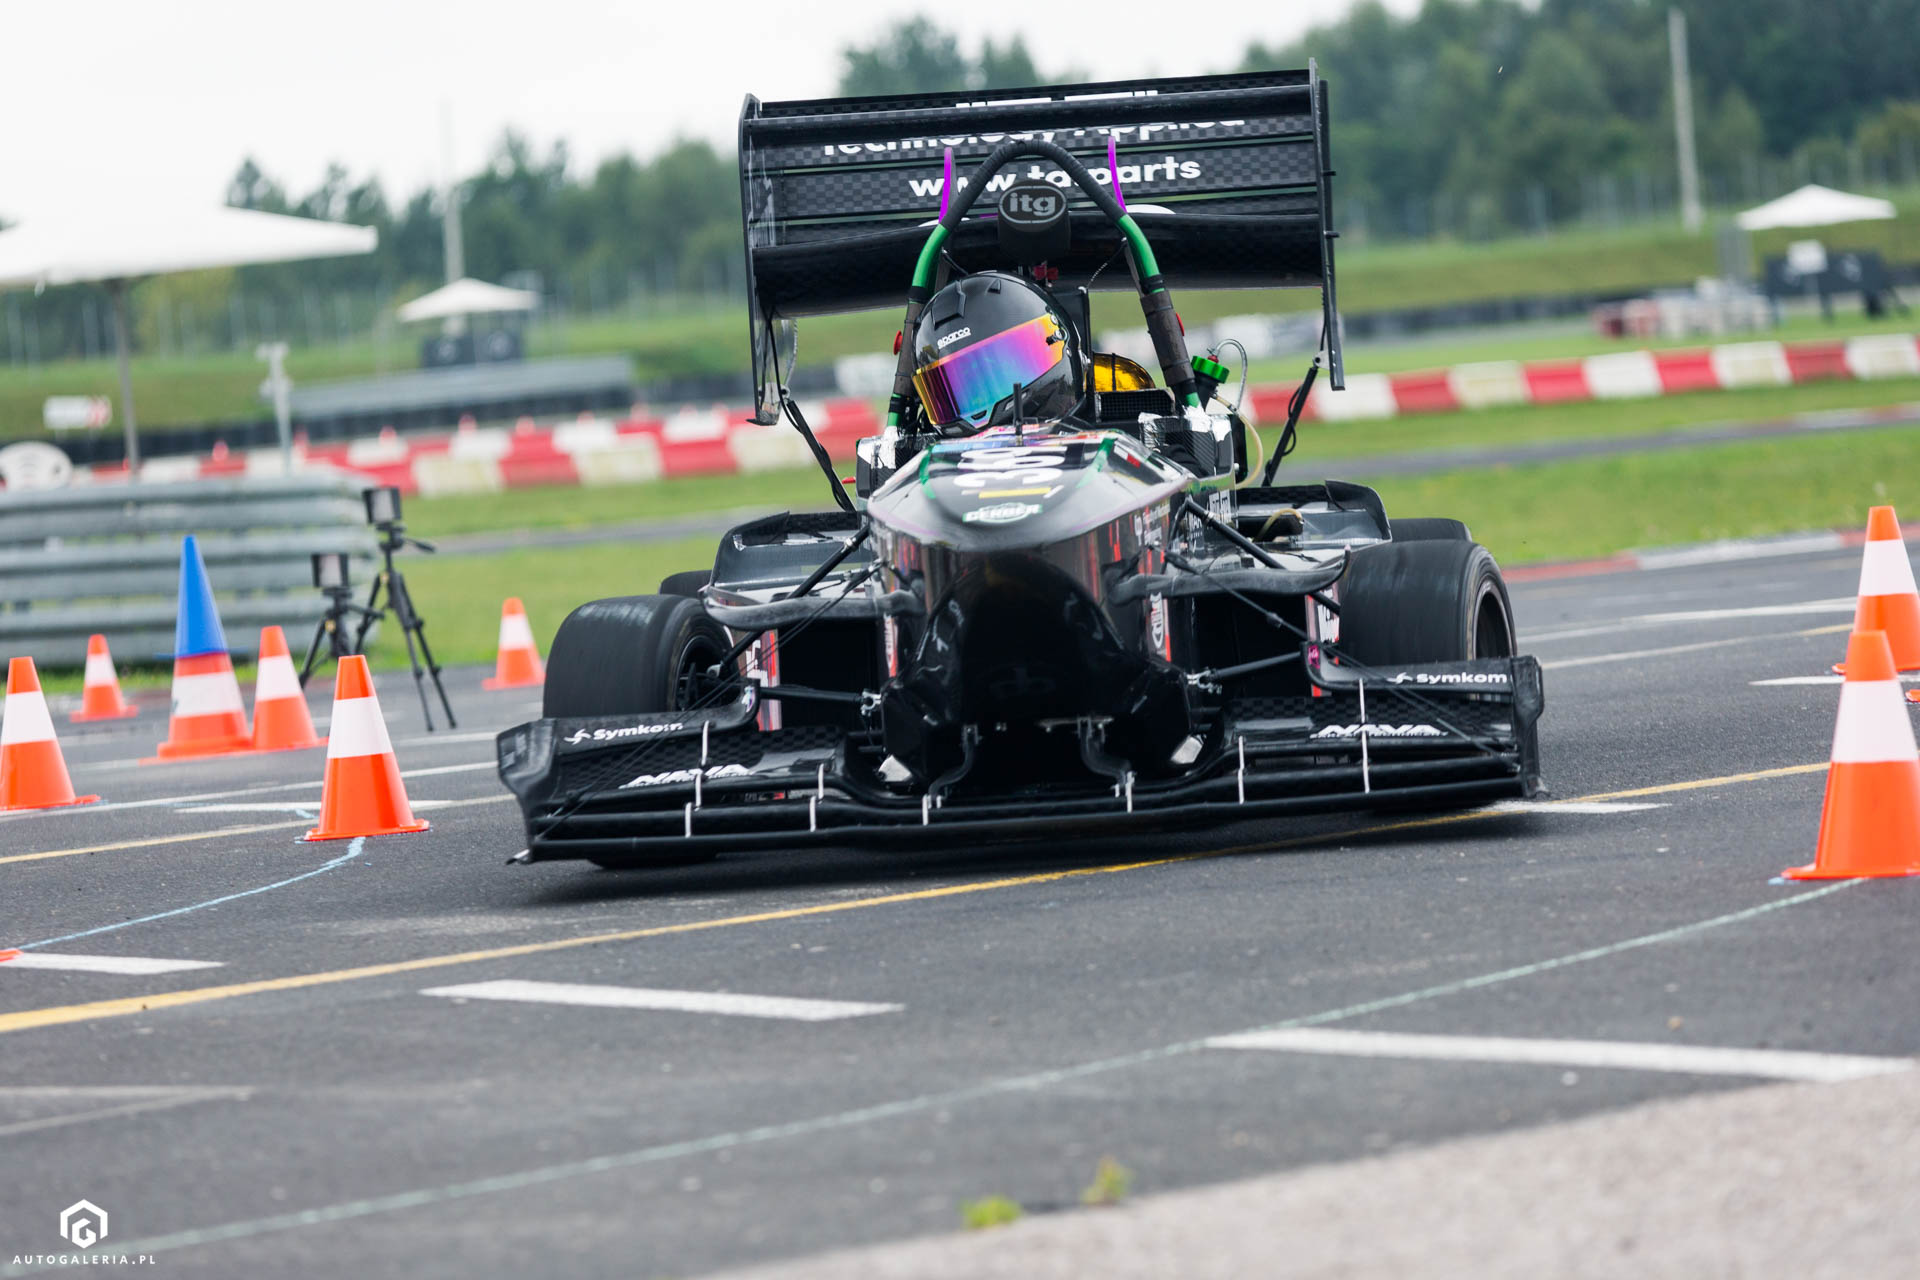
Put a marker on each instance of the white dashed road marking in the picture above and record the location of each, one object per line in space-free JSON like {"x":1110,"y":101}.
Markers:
{"x":1644,"y":620}
{"x":1572,"y":806}
{"x":99,"y":964}
{"x":1909,"y":677}
{"x":604,"y":997}
{"x":1772,"y":1064}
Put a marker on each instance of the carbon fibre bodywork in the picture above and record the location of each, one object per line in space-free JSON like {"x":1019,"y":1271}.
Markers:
{"x":1052,"y":667}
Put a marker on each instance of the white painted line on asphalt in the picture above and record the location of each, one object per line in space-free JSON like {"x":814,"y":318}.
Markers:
{"x":312,"y":784}
{"x":1838,"y":604}
{"x":447,"y":739}
{"x":1742,"y":549}
{"x":1644,"y":620}
{"x":603,"y":997}
{"x":1910,"y":677}
{"x":1599,"y":658}
{"x":449,"y":768}
{"x":100,"y":964}
{"x":1572,"y":806}
{"x":155,"y":1099}
{"x":1772,"y":1064}
{"x":286,"y":806}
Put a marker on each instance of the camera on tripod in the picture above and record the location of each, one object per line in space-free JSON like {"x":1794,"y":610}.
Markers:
{"x":332,"y":576}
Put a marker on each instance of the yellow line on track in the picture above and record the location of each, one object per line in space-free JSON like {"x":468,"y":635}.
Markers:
{"x":28,"y":1019}
{"x":1668,"y":788}
{"x":156,"y":840}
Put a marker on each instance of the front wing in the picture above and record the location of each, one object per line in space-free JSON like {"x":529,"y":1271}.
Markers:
{"x":675,"y":785}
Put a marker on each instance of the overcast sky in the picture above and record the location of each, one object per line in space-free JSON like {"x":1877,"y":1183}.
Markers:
{"x":108,"y":98}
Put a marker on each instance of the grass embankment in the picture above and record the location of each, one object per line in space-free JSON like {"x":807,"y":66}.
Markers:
{"x":1598,"y":506}
{"x":1548,"y":511}
{"x":682,"y":337}
{"x":459,"y":596}
{"x":1534,"y":512}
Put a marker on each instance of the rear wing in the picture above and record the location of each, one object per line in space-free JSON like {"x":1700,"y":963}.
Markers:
{"x":1229,"y":177}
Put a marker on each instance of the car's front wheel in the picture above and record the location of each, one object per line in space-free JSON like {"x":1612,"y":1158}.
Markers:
{"x":633,"y":654}
{"x":1438,"y":600}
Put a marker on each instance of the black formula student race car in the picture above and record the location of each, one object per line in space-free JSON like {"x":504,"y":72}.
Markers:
{"x":1065,"y":601}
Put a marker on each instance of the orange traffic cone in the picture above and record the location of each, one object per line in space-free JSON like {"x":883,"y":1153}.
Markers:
{"x":519,"y":662}
{"x":33,"y":774}
{"x":1870,"y":825}
{"x":100,"y":691}
{"x":281,"y":721}
{"x":1889,"y":601}
{"x":363,"y":795}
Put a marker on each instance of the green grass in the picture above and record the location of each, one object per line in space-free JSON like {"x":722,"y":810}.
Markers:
{"x":1522,"y":424}
{"x":989,"y":1211}
{"x":1561,"y":342}
{"x":685,"y":336}
{"x":1549,"y":511}
{"x":1112,"y":1181}
{"x":460,"y":596}
{"x":1598,"y":506}
{"x":569,"y":507}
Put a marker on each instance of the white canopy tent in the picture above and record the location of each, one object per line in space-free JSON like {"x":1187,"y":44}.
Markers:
{"x":467,"y":297}
{"x":1815,"y":206}
{"x":115,"y":245}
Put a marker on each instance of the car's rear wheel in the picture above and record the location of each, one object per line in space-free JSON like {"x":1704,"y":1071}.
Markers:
{"x":687,"y":582}
{"x":633,"y":654}
{"x":1437,"y":600}
{"x":1431,"y":529}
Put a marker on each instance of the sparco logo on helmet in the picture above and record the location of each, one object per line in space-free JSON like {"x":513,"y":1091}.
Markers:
{"x":955,"y":336}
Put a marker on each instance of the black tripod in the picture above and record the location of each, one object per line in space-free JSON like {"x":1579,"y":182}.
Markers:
{"x":333,"y":628}
{"x":393,"y":538}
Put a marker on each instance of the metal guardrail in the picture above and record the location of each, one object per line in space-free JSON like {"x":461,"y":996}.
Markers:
{"x":106,"y":558}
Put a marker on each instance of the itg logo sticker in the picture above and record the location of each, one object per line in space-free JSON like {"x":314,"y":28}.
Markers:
{"x":83,"y":1224}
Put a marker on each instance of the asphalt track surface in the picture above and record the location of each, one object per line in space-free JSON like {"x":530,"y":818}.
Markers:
{"x":305,"y":1109}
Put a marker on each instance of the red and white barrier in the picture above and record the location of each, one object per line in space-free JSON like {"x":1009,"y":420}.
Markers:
{"x":587,"y":451}
{"x":1616,"y":375}
{"x":720,"y":441}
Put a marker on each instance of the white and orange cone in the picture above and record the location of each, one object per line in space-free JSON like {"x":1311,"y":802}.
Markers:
{"x":519,"y":663}
{"x":33,"y":773}
{"x":1889,"y":601}
{"x":281,"y":721}
{"x":363,"y":795}
{"x":1870,"y":824}
{"x":100,"y":691}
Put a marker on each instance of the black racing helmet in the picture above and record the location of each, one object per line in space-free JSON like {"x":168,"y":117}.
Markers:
{"x":981,"y":336}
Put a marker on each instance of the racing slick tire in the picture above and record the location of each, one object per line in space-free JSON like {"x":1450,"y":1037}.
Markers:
{"x":1438,"y":600}
{"x":632,"y":654}
{"x":1430,"y":529}
{"x":688,"y":582}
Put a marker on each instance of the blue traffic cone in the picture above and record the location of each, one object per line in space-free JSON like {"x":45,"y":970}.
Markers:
{"x":208,"y":719}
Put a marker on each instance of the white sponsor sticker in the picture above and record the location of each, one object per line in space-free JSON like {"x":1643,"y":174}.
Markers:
{"x":1381,"y":731}
{"x":622,"y":731}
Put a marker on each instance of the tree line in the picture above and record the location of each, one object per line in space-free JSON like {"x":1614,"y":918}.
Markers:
{"x":1473,"y":117}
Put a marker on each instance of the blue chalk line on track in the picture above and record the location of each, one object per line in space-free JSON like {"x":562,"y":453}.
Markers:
{"x":353,"y":851}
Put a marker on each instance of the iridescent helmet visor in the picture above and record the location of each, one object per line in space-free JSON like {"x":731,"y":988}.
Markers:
{"x":967,"y":384}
